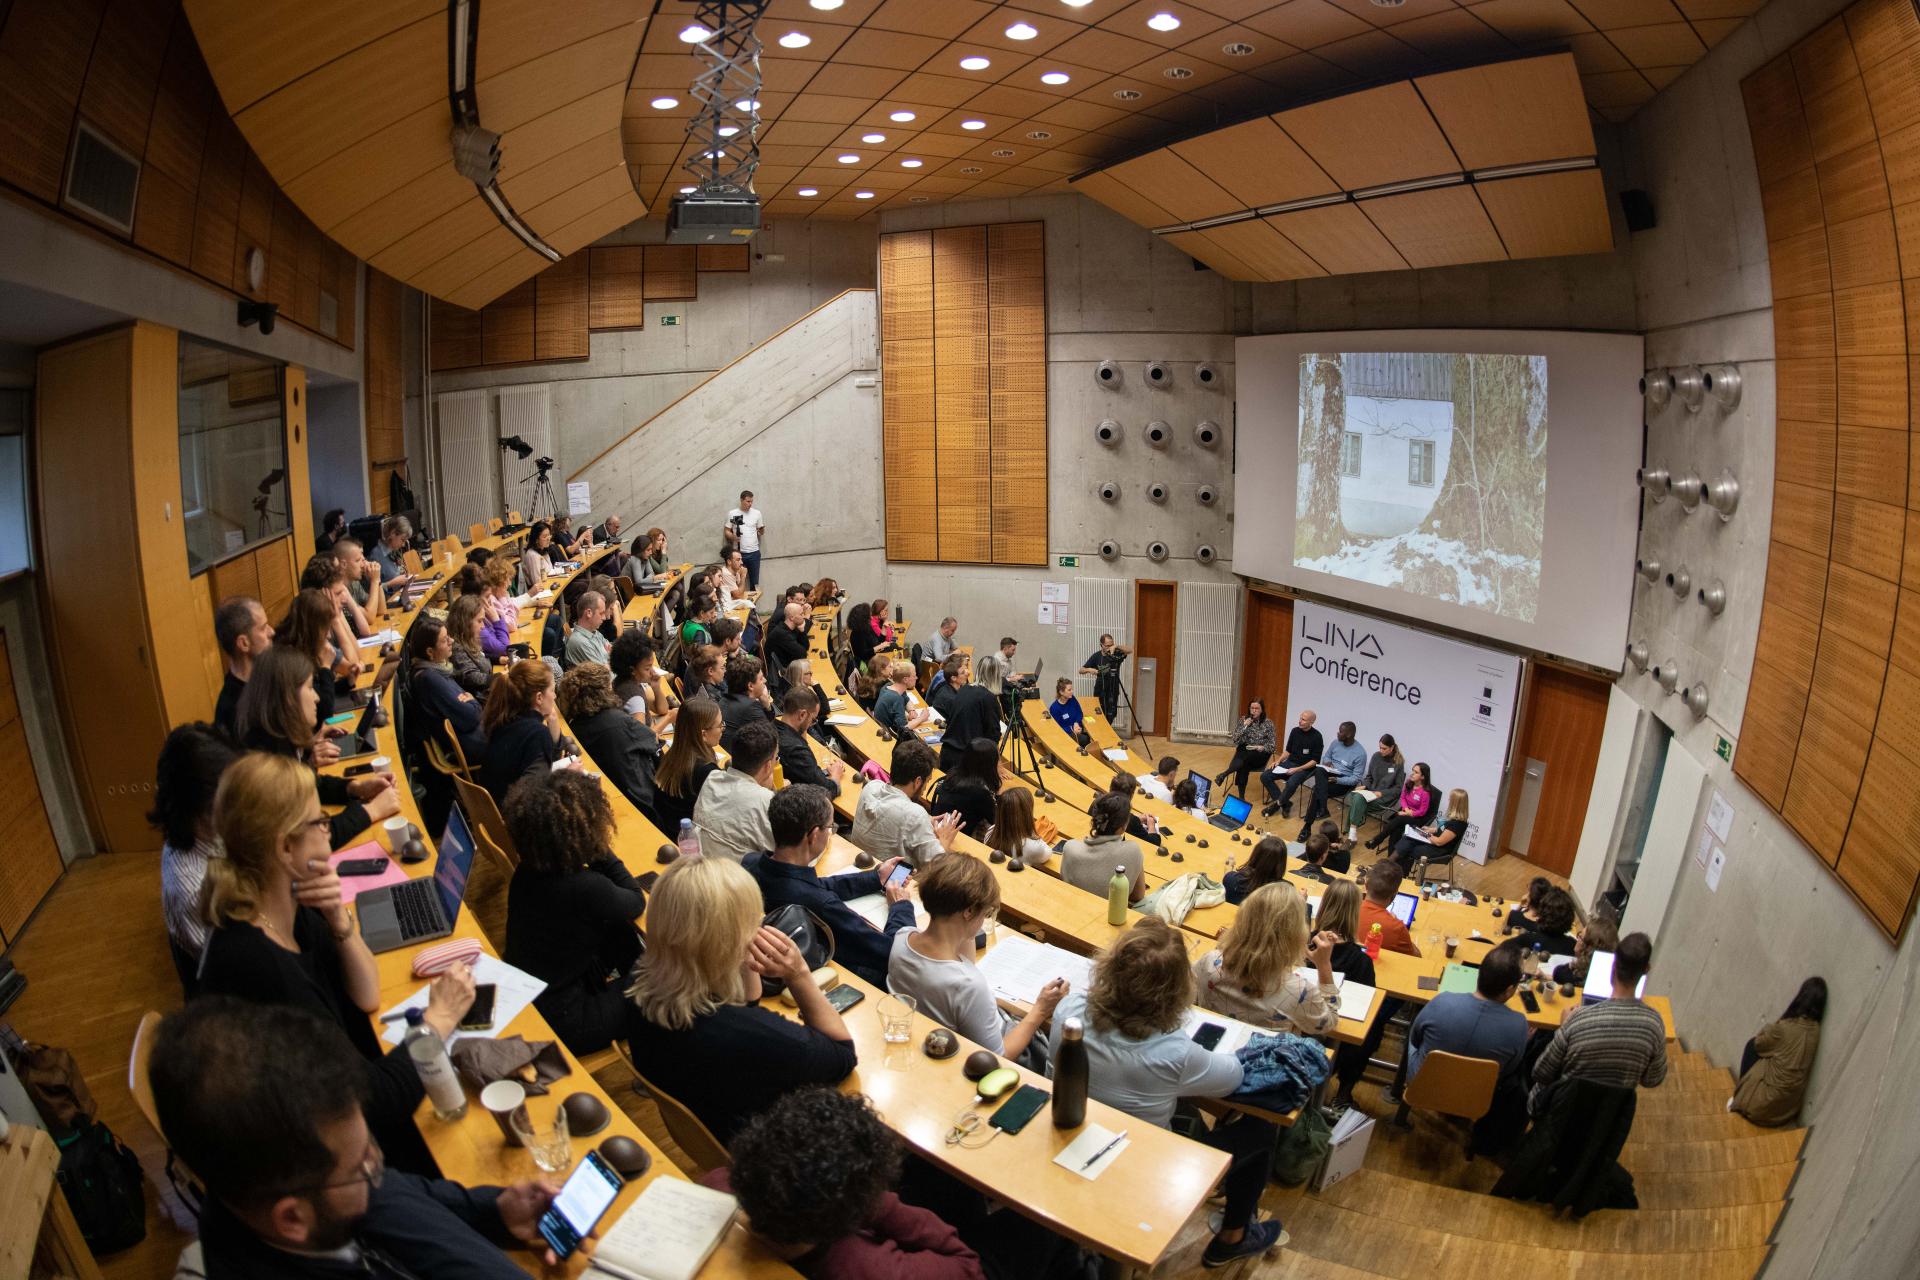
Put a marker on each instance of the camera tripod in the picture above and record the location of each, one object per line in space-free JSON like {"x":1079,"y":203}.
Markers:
{"x":1133,"y":720}
{"x":542,"y":479}
{"x":1014,"y":738}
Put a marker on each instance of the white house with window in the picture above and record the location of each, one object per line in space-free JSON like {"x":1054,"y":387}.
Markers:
{"x":1393,"y":460}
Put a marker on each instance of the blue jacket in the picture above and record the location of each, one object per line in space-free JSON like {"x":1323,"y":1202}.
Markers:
{"x":1280,"y":1071}
{"x":1345,"y":763}
{"x":1067,"y":714}
{"x":856,"y":943}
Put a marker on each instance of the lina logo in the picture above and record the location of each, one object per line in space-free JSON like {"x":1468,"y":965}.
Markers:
{"x":1339,"y":653}
{"x":1333,"y":635}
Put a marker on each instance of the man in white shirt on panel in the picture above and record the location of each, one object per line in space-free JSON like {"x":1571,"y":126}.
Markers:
{"x":745,"y":524}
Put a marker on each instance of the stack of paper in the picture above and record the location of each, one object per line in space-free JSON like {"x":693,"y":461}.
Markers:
{"x":1017,"y":967}
{"x":667,"y":1234}
{"x":1115,"y":753}
{"x":1355,"y":999}
{"x":1238,"y":1032}
{"x":873,"y":908}
{"x":515,"y":991}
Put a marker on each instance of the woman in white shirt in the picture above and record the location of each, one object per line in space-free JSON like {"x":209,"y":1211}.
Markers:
{"x":1253,"y":974}
{"x":536,"y":562}
{"x":936,"y":965}
{"x":192,"y":760}
{"x":501,"y":603}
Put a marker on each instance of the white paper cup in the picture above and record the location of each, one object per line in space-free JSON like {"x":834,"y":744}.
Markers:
{"x":501,"y":1099}
{"x":381,"y":763}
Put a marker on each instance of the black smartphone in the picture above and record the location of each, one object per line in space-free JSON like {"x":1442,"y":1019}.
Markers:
{"x":899,"y":876}
{"x":844,"y":997}
{"x":1208,"y":1034}
{"x":586,"y":1195}
{"x":1531,"y":1001}
{"x":1020,"y":1108}
{"x":479,"y":1014}
{"x":355,"y":770}
{"x":1429,"y":984}
{"x":362,"y":867}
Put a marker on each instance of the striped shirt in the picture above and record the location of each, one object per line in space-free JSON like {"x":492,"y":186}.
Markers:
{"x":1622,"y":1043}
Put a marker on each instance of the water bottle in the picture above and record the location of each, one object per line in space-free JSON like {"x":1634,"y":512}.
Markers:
{"x":1373,"y":943}
{"x":689,"y":841}
{"x":430,"y":1059}
{"x":1070,"y":1078}
{"x":1230,"y":862}
{"x":1119,"y":889}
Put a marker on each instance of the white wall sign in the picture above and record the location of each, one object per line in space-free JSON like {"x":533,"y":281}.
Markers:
{"x":579,"y":498}
{"x":1446,"y":703}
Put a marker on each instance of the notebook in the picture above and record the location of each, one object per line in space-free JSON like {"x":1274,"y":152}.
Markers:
{"x":667,"y":1234}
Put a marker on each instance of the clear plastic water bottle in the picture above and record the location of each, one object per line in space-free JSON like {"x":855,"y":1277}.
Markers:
{"x":689,"y":840}
{"x":429,"y":1054}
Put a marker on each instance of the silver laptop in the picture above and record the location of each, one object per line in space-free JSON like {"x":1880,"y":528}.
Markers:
{"x":424,"y":908}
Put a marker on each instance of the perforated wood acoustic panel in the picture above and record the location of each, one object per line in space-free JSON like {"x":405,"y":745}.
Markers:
{"x":1831,"y":736}
{"x":963,"y":370}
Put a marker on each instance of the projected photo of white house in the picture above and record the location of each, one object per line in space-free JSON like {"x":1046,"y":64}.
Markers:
{"x":1425,"y":472}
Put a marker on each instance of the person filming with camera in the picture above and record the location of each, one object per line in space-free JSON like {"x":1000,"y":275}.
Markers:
{"x":1104,"y":667}
{"x":742,"y":532}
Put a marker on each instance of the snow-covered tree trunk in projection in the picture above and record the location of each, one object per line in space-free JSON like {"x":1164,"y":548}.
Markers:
{"x":1318,"y":529}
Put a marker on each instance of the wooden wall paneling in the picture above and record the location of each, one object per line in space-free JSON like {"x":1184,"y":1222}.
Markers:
{"x":1266,"y":651}
{"x":386,"y":445}
{"x":30,"y":862}
{"x":560,"y":310}
{"x":670,"y":273}
{"x":124,"y":71}
{"x":456,"y":340}
{"x":615,"y":296}
{"x":44,"y":49}
{"x":293,"y":408}
{"x":217,"y":215}
{"x":1880,"y":862}
{"x":723,"y":257}
{"x":506,"y":326}
{"x":1566,"y":714}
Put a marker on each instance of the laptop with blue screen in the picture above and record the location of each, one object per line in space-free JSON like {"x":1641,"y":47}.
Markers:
{"x":1233,"y":814}
{"x":400,"y":915}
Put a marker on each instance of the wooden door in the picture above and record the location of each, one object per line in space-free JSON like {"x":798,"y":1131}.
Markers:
{"x":1155,"y":605}
{"x":1561,"y":725}
{"x":1266,"y":652}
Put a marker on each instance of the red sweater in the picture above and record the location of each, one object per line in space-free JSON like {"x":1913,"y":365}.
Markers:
{"x":899,"y":1242}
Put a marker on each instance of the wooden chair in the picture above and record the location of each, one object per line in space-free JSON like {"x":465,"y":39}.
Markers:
{"x":494,"y":523}
{"x":476,"y":531}
{"x":456,"y":754}
{"x":513,"y":517}
{"x":1451,"y":1085}
{"x":686,"y":1129}
{"x":1424,"y":865}
{"x":139,"y":1084}
{"x":478,"y":803}
{"x":624,"y":585}
{"x":410,"y":560}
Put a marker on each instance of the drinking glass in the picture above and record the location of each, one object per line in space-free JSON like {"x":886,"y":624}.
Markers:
{"x":545,"y":1139}
{"x":896,"y":1018}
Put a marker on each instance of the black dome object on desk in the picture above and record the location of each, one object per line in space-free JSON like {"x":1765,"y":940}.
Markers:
{"x":627,"y":1157}
{"x":586,"y":1114}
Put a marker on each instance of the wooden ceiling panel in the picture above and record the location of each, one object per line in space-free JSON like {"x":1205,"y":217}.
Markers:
{"x":265,"y":46}
{"x":1307,"y":24}
{"x":1372,"y":137}
{"x":1436,"y":228}
{"x":1257,"y":162}
{"x":1264,"y":249}
{"x":1511,"y":112}
{"x":1171,"y":183}
{"x":1549,"y":214}
{"x":1196,"y":245}
{"x":1124,"y":200}
{"x":1340,"y":238}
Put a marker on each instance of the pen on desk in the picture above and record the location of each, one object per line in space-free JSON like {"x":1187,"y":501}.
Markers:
{"x":1095,"y":1157}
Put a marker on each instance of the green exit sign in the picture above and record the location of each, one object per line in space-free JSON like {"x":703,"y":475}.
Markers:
{"x":669,"y":319}
{"x":1069,"y":562}
{"x":1723,"y":748}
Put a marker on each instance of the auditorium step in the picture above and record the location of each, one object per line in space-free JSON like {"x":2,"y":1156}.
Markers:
{"x":1768,"y":1148}
{"x":1699,"y":1127}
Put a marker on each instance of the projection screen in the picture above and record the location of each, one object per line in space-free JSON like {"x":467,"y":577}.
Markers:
{"x":1481,"y":480}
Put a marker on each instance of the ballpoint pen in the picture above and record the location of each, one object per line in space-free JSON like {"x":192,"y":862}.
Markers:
{"x":1095,"y":1157}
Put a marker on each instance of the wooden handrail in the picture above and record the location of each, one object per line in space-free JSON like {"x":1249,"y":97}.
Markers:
{"x":582,"y":470}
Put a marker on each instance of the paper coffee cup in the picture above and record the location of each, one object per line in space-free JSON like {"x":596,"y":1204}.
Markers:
{"x":396,"y":829}
{"x":1453,"y":944}
{"x":381,"y":763}
{"x":502,"y":1099}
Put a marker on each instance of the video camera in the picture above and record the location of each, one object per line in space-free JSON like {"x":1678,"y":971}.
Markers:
{"x":544,"y":465}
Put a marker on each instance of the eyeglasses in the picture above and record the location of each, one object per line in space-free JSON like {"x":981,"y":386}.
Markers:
{"x":321,"y":823}
{"x":372,"y":1170}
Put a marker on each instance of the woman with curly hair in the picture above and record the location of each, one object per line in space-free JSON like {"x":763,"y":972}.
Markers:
{"x":572,"y":907}
{"x":1140,"y":1061}
{"x":620,"y":743}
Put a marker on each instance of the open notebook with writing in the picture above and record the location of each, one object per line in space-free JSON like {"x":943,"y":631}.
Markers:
{"x":667,"y":1234}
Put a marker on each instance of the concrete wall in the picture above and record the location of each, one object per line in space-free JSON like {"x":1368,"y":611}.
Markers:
{"x":1732,"y":958}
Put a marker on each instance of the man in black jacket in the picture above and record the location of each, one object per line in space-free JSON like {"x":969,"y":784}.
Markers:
{"x":1297,"y":765}
{"x":787,"y":640}
{"x":263,"y":1103}
{"x":241,"y":629}
{"x":973,"y":713}
{"x":747,"y":701}
{"x":798,"y":710}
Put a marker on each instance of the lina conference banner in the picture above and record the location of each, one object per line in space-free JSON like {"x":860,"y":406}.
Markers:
{"x":1448,"y":704}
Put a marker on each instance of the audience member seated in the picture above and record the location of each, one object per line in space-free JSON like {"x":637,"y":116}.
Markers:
{"x":1141,"y":1061}
{"x":566,"y":543}
{"x":727,"y":635}
{"x":1443,"y":837}
{"x":584,"y":642}
{"x":396,"y":533}
{"x":638,"y":681}
{"x":573,"y":909}
{"x":732,"y":809}
{"x":326,"y":575}
{"x":1476,"y":1024}
{"x":1775,"y":1064}
{"x":814,"y":1176}
{"x":990,"y":673}
{"x":1296,"y":767}
{"x":1339,"y":915}
{"x":654,"y":554}
{"x":522,"y":725}
{"x":1551,"y":922}
{"x":1065,"y":710}
{"x":1521,"y":916}
{"x":826,"y":594}
{"x":866,"y":634}
{"x":308,"y":630}
{"x":798,"y":711}
{"x":799,"y":675}
{"x":936,"y":965}
{"x":1313,"y":858}
{"x":265,"y":1105}
{"x":1601,"y":934}
{"x":1253,"y":973}
{"x":433,"y":698}
{"x":706,"y":674}
{"x":969,"y":790}
{"x":1015,"y":837}
{"x":536,"y":562}
{"x":1253,"y":742}
{"x":1378,"y":794}
{"x":889,"y":819}
{"x":1383,"y":882}
{"x":702,"y":612}
{"x":701,"y":1036}
{"x":1620,"y":1042}
{"x":502,"y":605}
{"x":747,"y":701}
{"x":940,"y":643}
{"x":1339,"y":850}
{"x":787,"y":641}
{"x":1142,"y":827}
{"x":1341,"y":769}
{"x":1159,"y":783}
{"x":1089,"y":864}
{"x":476,"y":643}
{"x":241,"y":629}
{"x":620,"y":745}
{"x":333,"y":527}
{"x":802,"y":820}
{"x":278,"y":932}
{"x":1186,"y":798}
{"x":732,"y":578}
{"x":192,"y":760}
{"x":946,"y":684}
{"x":891,"y":709}
{"x":1417,"y":800}
{"x":1267,"y":864}
{"x":685,"y":765}
{"x":278,"y":714}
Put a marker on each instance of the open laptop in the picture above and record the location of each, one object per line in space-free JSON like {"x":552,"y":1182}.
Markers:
{"x":365,"y":738}
{"x":423,"y":908}
{"x":1233,"y":814}
{"x":1403,"y":906}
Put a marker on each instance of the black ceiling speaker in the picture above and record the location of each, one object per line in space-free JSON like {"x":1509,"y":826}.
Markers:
{"x":1638,"y":206}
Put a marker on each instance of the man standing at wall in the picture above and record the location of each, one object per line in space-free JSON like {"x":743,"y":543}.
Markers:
{"x":745,"y":524}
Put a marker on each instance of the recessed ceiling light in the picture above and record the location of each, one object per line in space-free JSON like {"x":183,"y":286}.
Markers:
{"x":713,"y":155}
{"x":849,"y":158}
{"x":1022,"y":31}
{"x":1127,"y":95}
{"x":1076,"y":4}
{"x":972,"y":168}
{"x":975,"y":63}
{"x":664,"y":104}
{"x":795,"y":40}
{"x":826,"y":6}
{"x":1055,"y":77}
{"x":916,"y":199}
{"x":973,"y":124}
{"x":900,"y":117}
{"x":728,"y":130}
{"x":748,"y":104}
{"x":911,"y":164}
{"x":1004,"y":153}
{"x":1236,"y":48}
{"x":1040,"y":135}
{"x":1164,"y":22}
{"x":687,"y":191}
{"x":694,"y":33}
{"x":808,"y":191}
{"x":873,"y":137}
{"x":863,"y":195}
{"x":1178,"y":73}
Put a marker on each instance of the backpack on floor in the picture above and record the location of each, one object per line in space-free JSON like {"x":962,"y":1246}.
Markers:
{"x":1302,"y":1147}
{"x":104,"y":1188}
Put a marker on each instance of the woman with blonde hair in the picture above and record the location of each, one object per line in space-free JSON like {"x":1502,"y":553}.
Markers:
{"x":1141,"y":1061}
{"x":1015,"y":837}
{"x":688,"y":759}
{"x":522,"y":724}
{"x":1253,"y":973}
{"x":280,"y":934}
{"x":937,"y":965}
{"x":1442,"y":837}
{"x":700,"y":1034}
{"x":890,"y":705}
{"x":502,"y":605}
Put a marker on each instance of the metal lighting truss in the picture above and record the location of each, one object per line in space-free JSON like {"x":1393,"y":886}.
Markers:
{"x":725,"y":130}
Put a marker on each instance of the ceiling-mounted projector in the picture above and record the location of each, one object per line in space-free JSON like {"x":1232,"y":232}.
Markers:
{"x":701,"y":218}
